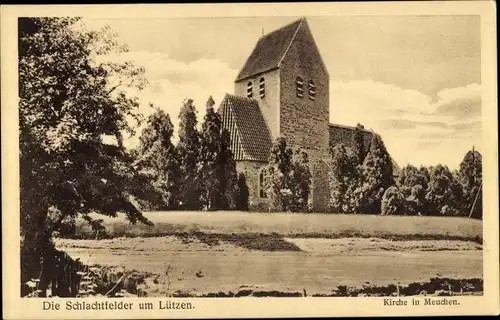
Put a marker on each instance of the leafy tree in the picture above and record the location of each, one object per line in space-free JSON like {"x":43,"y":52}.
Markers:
{"x":444,"y":193}
{"x":188,"y":150}
{"x":229,"y":181}
{"x":243,"y":193}
{"x":218,"y":166}
{"x":377,"y":177}
{"x":471,"y":179}
{"x":288,"y":179}
{"x":69,"y":103}
{"x":359,"y":149}
{"x":341,"y":179}
{"x":158,"y":159}
{"x":412,"y":183}
{"x":393,"y":202}
{"x":300,"y":181}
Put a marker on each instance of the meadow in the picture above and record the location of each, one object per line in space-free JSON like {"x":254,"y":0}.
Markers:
{"x":291,"y":225}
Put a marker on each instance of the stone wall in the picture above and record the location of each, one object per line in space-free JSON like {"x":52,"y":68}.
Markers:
{"x":339,"y":134}
{"x":269,"y":105}
{"x":251,"y":170}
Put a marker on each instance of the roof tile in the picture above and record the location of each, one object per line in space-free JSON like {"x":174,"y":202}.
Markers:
{"x":269,"y":51}
{"x":251,"y":128}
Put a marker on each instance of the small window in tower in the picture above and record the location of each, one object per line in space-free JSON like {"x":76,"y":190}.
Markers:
{"x":312,"y":90}
{"x":299,"y":83}
{"x":249,"y":89}
{"x":262,"y":184}
{"x":262,"y":88}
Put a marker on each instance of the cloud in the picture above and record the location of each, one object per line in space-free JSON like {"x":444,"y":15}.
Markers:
{"x":461,"y":103}
{"x":173,"y":81}
{"x":416,"y":128}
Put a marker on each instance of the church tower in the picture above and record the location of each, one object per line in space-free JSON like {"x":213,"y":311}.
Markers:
{"x":287,"y":76}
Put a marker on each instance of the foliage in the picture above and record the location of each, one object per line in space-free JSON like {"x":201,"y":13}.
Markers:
{"x":444,"y":194}
{"x":359,"y":149}
{"x":392,"y":202}
{"x":188,"y":150}
{"x":471,"y":179}
{"x":69,"y":103}
{"x":300,"y":181}
{"x":288,"y":178}
{"x":218,"y":168}
{"x":412,"y":183}
{"x":341,"y":179}
{"x":242,"y":195}
{"x":377,"y":177}
{"x":158,"y":160}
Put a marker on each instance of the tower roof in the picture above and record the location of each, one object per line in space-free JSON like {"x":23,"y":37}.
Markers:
{"x":270,"y":50}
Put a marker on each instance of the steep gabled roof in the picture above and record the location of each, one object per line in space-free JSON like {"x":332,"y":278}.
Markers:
{"x":269,"y":51}
{"x":250,"y":137}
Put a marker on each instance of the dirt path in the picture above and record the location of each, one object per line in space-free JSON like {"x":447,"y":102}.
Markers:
{"x":319,"y":266}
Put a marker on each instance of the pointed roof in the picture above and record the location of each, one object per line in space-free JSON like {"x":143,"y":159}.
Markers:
{"x":250,"y":136}
{"x":270,"y":50}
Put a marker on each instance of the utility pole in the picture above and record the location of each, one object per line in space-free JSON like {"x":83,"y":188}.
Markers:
{"x":475,"y":199}
{"x":474,"y":181}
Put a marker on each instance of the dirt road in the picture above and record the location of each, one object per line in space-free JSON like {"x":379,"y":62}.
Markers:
{"x":319,"y":266}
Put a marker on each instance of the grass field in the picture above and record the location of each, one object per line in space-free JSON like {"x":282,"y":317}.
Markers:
{"x":198,"y":253}
{"x":293,"y":225}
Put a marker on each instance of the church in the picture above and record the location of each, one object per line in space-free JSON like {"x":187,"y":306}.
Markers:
{"x":282,"y":90}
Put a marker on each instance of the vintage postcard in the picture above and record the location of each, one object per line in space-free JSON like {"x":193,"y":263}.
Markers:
{"x":249,"y":160}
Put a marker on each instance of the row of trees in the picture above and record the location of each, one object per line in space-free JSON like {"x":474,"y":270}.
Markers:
{"x":197,"y":173}
{"x":362,"y":181}
{"x":437,"y":190}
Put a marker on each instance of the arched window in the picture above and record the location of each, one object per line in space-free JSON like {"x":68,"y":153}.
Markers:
{"x":299,"y":83}
{"x":262,"y":183}
{"x":249,"y":89}
{"x":312,"y":90}
{"x":262,"y":88}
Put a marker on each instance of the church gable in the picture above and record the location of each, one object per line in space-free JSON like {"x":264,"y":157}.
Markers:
{"x":250,"y":137}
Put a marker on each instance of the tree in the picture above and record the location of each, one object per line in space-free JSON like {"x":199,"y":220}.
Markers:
{"x":471,"y":179}
{"x":188,"y":150}
{"x":377,"y":177}
{"x":69,"y":103}
{"x":288,"y":178}
{"x":412,"y":183}
{"x":392,"y":202}
{"x":228,"y":186}
{"x":341,"y":179}
{"x":359,"y":149}
{"x":158,"y":159}
{"x":444,"y":193}
{"x":218,"y":166}
{"x":242,"y":193}
{"x":300,"y":181}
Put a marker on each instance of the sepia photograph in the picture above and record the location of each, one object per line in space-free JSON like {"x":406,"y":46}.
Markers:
{"x":301,"y":155}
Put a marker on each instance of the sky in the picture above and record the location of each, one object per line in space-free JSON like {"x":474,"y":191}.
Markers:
{"x":415,"y":80}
